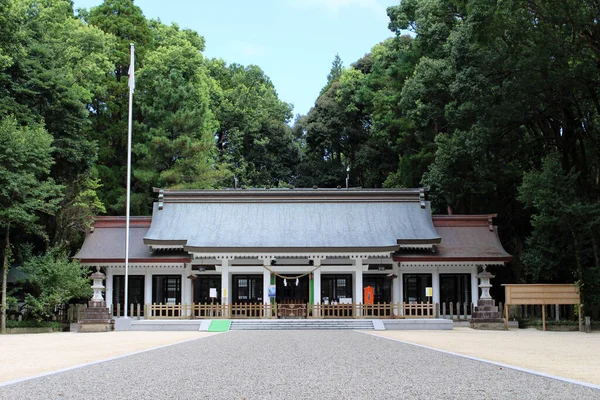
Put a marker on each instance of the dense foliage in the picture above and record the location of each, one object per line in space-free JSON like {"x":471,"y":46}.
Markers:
{"x":493,"y":105}
{"x":53,"y":281}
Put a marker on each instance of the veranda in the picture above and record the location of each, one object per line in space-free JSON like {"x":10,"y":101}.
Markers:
{"x":455,"y":311}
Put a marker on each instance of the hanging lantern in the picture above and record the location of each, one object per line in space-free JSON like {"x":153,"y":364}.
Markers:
{"x":285,"y":282}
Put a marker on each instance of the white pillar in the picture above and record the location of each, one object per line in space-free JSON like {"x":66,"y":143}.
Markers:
{"x":266,"y":281}
{"x":147,"y":287}
{"x":358,"y":281}
{"x":187,"y":285}
{"x":396,"y":285}
{"x":435,"y":284}
{"x":317,"y":281}
{"x":401,"y":282}
{"x":474,"y":285}
{"x":108,"y":294}
{"x":225,"y":286}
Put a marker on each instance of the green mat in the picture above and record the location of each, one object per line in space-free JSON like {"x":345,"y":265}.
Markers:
{"x":219,"y":325}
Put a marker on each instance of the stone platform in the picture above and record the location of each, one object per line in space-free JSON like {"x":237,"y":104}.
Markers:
{"x":487,"y":316}
{"x":131,"y":324}
{"x":96,"y":318}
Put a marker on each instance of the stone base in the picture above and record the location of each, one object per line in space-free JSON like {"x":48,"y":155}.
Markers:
{"x":488,"y":326}
{"x":95,"y":327}
{"x":424,"y":324}
{"x":486,"y":311}
{"x":481,"y":320}
{"x":30,"y":330}
{"x":96,"y":318}
{"x":123,"y":324}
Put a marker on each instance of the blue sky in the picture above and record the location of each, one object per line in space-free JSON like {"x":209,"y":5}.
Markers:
{"x":293,"y":41}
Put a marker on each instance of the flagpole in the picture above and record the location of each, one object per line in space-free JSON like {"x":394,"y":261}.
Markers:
{"x":131,"y":85}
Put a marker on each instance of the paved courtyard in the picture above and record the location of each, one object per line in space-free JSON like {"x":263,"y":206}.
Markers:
{"x":294,"y":365}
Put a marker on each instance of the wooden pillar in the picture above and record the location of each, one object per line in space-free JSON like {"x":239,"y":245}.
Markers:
{"x":544,"y":317}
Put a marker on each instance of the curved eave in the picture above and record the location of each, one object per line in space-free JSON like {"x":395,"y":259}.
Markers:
{"x":166,"y":243}
{"x":277,"y":250}
{"x":424,"y":258}
{"x":430,"y":241}
{"x":136,"y":260}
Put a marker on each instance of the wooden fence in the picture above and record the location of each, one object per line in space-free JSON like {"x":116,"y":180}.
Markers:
{"x":454,"y":311}
{"x":257,"y":310}
{"x":70,"y":313}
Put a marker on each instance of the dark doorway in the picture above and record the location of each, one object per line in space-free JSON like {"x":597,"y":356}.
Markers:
{"x":382,"y":286}
{"x":336,"y":287}
{"x":247,"y":288}
{"x":202,"y":285}
{"x":291,"y":291}
{"x":135,"y":293}
{"x":166,"y":289}
{"x":455,"y":288}
{"x":414,"y":287}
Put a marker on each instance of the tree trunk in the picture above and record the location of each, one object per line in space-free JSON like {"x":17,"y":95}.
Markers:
{"x":5,"y":277}
{"x":579,"y":266}
{"x":595,"y":248}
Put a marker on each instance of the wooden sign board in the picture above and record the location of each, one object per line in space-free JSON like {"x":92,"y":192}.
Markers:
{"x":540,"y":294}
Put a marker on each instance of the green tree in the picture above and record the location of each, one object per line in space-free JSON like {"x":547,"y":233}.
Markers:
{"x":25,"y":188}
{"x":175,"y":147}
{"x":75,"y":213}
{"x":57,"y":64}
{"x":564,"y":226}
{"x":323,"y":131}
{"x":60,"y":63}
{"x":253,"y":138}
{"x":109,"y":109}
{"x":11,"y":30}
{"x":497,"y":87}
{"x":52,"y":282}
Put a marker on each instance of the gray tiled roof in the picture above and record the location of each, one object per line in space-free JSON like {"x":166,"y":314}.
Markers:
{"x":109,"y":244}
{"x":311,"y":224}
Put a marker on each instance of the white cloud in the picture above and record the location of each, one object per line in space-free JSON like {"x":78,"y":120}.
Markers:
{"x":334,"y":6}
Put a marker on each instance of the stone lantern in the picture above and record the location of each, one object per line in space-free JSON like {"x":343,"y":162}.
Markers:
{"x":98,"y":288}
{"x":484,"y":283}
{"x":486,"y":314}
{"x":96,"y":317}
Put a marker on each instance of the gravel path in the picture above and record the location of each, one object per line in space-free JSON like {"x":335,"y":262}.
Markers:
{"x":294,"y":365}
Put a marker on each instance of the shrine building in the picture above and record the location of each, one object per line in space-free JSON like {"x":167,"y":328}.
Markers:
{"x":314,"y":246}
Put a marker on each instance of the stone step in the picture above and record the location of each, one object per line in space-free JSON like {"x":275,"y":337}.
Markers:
{"x":299,"y":325}
{"x":485,"y":315}
{"x":486,"y":309}
{"x":485,"y":320}
{"x":97,"y":321}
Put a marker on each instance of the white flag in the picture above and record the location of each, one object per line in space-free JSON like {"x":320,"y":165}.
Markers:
{"x":132,"y":72}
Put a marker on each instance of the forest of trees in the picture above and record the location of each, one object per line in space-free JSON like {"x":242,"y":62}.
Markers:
{"x":494,"y":106}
